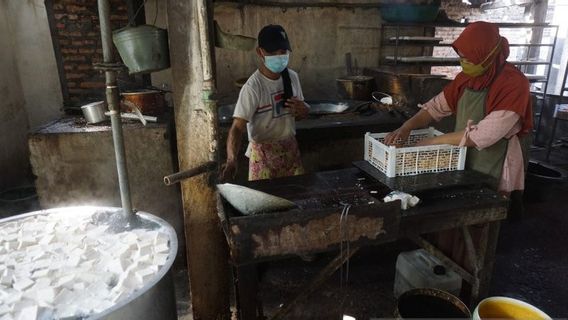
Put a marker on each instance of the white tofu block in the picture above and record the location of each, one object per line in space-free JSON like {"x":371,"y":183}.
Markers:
{"x":79,"y":286}
{"x":65,"y":280}
{"x":47,"y":295}
{"x":11,"y":245}
{"x":160,"y":259}
{"x":102,"y":305}
{"x":66,"y":311}
{"x":98,"y":289}
{"x":145,"y":274}
{"x":4,"y":309}
{"x":118,"y":265}
{"x":41,"y":263}
{"x":64,"y":297}
{"x":144,"y":249}
{"x":129,"y":238}
{"x":42,"y":283}
{"x":7,"y":277}
{"x":87,"y":277}
{"x":161,"y":239}
{"x":25,"y":241}
{"x":128,"y":281}
{"x":41,"y":273}
{"x":21,"y":284}
{"x":161,"y":248}
{"x":47,"y":239}
{"x":7,"y":316}
{"x":12,"y":297}
{"x":22,"y":305}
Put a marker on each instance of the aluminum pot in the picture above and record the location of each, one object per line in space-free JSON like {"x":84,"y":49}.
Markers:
{"x":156,"y":299}
{"x":150,"y":102}
{"x":355,"y":87}
{"x":94,"y":112}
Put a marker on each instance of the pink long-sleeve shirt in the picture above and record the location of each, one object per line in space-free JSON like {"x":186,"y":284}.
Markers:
{"x":495,"y":126}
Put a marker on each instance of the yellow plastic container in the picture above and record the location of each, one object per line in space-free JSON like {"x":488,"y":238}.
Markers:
{"x":507,"y":308}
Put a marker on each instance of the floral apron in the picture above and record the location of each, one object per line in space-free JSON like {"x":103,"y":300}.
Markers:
{"x":269,"y":160}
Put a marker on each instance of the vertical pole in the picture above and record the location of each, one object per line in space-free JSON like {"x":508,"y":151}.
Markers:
{"x":196,"y":127}
{"x":114,"y":108}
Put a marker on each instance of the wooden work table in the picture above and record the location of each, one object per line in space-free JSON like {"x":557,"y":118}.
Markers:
{"x":450,"y":200}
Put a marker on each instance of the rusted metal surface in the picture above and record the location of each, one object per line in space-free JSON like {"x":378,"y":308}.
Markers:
{"x":315,"y":226}
{"x":257,"y":238}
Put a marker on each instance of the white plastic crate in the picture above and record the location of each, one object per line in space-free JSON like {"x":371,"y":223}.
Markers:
{"x":408,"y":160}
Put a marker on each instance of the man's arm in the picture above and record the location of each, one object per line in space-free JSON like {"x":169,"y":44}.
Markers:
{"x":234,"y":142}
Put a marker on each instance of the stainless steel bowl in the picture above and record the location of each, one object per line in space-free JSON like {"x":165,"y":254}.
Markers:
{"x":156,"y":300}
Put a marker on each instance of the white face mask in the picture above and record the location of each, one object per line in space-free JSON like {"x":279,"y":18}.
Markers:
{"x":277,"y":63}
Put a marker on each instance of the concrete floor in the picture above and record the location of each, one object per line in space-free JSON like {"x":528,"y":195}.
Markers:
{"x":531,"y":265}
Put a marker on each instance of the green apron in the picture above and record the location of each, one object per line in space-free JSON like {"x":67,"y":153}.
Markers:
{"x":472,"y":106}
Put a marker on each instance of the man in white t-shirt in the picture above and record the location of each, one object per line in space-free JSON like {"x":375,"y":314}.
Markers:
{"x":268,"y":104}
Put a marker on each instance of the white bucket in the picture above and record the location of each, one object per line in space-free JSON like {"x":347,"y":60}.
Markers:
{"x":507,"y":308}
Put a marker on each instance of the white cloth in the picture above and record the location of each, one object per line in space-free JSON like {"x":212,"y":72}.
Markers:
{"x":261,"y":103}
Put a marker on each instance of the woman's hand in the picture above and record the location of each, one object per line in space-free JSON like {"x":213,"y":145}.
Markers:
{"x":426,"y":142}
{"x":397,"y":137}
{"x":299,"y":108}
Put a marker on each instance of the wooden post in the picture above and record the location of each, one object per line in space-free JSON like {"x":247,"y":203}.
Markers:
{"x":196,"y":128}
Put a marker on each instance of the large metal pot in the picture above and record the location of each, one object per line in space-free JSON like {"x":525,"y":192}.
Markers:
{"x":156,"y":300}
{"x":430,"y":303}
{"x":149,"y":102}
{"x":355,"y":87}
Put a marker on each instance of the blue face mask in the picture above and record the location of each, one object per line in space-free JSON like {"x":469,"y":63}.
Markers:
{"x":276,"y":63}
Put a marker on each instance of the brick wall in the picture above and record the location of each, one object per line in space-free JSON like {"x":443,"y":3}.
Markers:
{"x":77,"y":32}
{"x":456,"y":10}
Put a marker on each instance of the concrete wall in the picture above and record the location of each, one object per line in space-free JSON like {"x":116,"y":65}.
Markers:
{"x":35,"y":61}
{"x":77,"y":167}
{"x":29,"y":84}
{"x":320,"y":38}
{"x":13,"y":116}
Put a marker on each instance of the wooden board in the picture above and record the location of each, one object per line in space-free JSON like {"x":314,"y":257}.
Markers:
{"x":429,"y":181}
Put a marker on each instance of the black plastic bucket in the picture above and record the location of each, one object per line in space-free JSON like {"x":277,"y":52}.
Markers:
{"x":541,"y":180}
{"x":430,"y":303}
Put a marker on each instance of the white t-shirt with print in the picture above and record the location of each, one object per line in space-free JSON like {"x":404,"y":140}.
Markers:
{"x":261,"y":103}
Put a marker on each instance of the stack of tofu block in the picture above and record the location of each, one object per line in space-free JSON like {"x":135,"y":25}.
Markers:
{"x":66,"y":266}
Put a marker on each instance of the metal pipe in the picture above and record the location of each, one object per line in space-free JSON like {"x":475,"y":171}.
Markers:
{"x":208,"y":87}
{"x":178,"y":176}
{"x":202,"y":20}
{"x":114,"y":108}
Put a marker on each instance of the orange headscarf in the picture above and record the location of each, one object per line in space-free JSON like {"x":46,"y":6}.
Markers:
{"x":508,"y":87}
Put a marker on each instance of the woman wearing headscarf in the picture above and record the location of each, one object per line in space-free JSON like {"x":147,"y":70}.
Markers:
{"x":491,"y":101}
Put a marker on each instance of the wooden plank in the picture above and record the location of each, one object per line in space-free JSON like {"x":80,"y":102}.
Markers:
{"x":281,"y":234}
{"x":247,"y":291}
{"x":487,"y":251}
{"x":196,"y":129}
{"x":428,"y":181}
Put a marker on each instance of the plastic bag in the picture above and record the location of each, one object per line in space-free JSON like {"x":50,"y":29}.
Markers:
{"x":406,"y":200}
